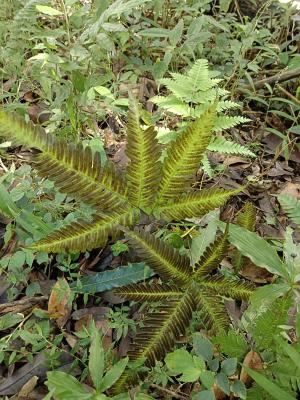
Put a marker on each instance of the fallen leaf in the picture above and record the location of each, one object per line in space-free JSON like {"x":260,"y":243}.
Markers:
{"x":29,"y":386}
{"x":60,"y":302}
{"x":291,"y":189}
{"x":253,"y":361}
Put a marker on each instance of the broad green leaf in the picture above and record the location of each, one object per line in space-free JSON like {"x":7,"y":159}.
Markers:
{"x":178,"y":361}
{"x":113,"y":374}
{"x":9,"y":320}
{"x":205,"y":238}
{"x":257,"y":249}
{"x":269,"y":386}
{"x":204,"y":395}
{"x":229,"y":365}
{"x":239,"y":389}
{"x":223,"y":382}
{"x":110,"y":279}
{"x":96,"y":359}
{"x":203,"y":347}
{"x":207,"y":378}
{"x":269,"y":293}
{"x":66,"y":387}
{"x":48,"y":10}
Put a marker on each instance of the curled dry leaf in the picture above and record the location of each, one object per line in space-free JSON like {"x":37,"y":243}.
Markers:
{"x":219,"y":395}
{"x":253,"y":361}
{"x":60,"y":302}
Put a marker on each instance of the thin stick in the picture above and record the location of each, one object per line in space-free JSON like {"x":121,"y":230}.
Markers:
{"x":170,"y":392}
{"x":281,"y":77}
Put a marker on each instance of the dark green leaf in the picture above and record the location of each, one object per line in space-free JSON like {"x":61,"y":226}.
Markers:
{"x":111,"y":279}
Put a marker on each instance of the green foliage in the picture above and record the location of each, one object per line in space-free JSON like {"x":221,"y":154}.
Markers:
{"x":231,"y":343}
{"x":291,"y":205}
{"x":79,"y":173}
{"x":267,"y":324}
{"x":186,"y":290}
{"x":63,"y":386}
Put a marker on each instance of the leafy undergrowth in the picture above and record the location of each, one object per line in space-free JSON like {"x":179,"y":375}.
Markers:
{"x":65,"y":327}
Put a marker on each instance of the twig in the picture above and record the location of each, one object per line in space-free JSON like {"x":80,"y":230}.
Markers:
{"x":280,"y":77}
{"x":170,"y":392}
{"x":21,"y":305}
{"x":288,"y":94}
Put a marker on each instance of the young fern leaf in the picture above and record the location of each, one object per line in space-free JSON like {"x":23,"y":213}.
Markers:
{"x":149,"y":292}
{"x":212,"y":257}
{"x":143,"y":172}
{"x":157,"y":335}
{"x":83,"y":235}
{"x":184,"y":156}
{"x":162,"y":258}
{"x":194,"y":203}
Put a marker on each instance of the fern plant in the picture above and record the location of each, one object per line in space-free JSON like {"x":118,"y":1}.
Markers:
{"x":149,"y":187}
{"x":291,"y":205}
{"x":191,"y":94}
{"x":184,"y":290}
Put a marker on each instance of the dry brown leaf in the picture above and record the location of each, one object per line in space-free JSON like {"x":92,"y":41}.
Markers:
{"x":219,"y":395}
{"x":29,"y":386}
{"x":253,"y":361}
{"x":60,"y":302}
{"x":291,"y":189}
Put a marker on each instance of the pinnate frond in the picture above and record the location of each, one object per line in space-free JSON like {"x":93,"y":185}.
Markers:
{"x":246,"y":217}
{"x":291,"y":206}
{"x":143,"y":172}
{"x":82,"y":235}
{"x":157,"y":335}
{"x":213,"y":311}
{"x":161,"y":257}
{"x":149,"y":292}
{"x":184,"y":156}
{"x":222,"y":145}
{"x":223,"y":122}
{"x":234,"y":289}
{"x":194,"y":203}
{"x":74,"y":170}
{"x":212,"y":257}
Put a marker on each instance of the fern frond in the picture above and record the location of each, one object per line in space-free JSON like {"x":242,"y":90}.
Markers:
{"x":222,"y":145}
{"x":286,"y":373}
{"x":143,"y":172}
{"x":184,"y":156}
{"x":206,"y":166}
{"x":157,"y":336}
{"x":223,"y":122}
{"x":199,"y":75}
{"x":72,"y":168}
{"x":82,"y":235}
{"x":211,"y":257}
{"x":161,"y":257}
{"x":148,"y":292}
{"x":234,"y":289}
{"x":291,"y":206}
{"x":213,"y":311}
{"x":227,"y":105}
{"x":195,"y":203}
{"x":246,"y":217}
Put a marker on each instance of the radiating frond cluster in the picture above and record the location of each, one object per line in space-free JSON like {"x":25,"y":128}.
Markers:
{"x":160,"y":190}
{"x":187,"y":289}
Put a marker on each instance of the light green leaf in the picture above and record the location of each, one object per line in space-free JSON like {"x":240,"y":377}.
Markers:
{"x":113,"y":374}
{"x":66,"y":387}
{"x":268,"y":385}
{"x":96,"y":359}
{"x":48,"y":10}
{"x":269,"y":293}
{"x":229,"y":365}
{"x":257,"y":249}
{"x":207,"y":378}
{"x":204,"y":395}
